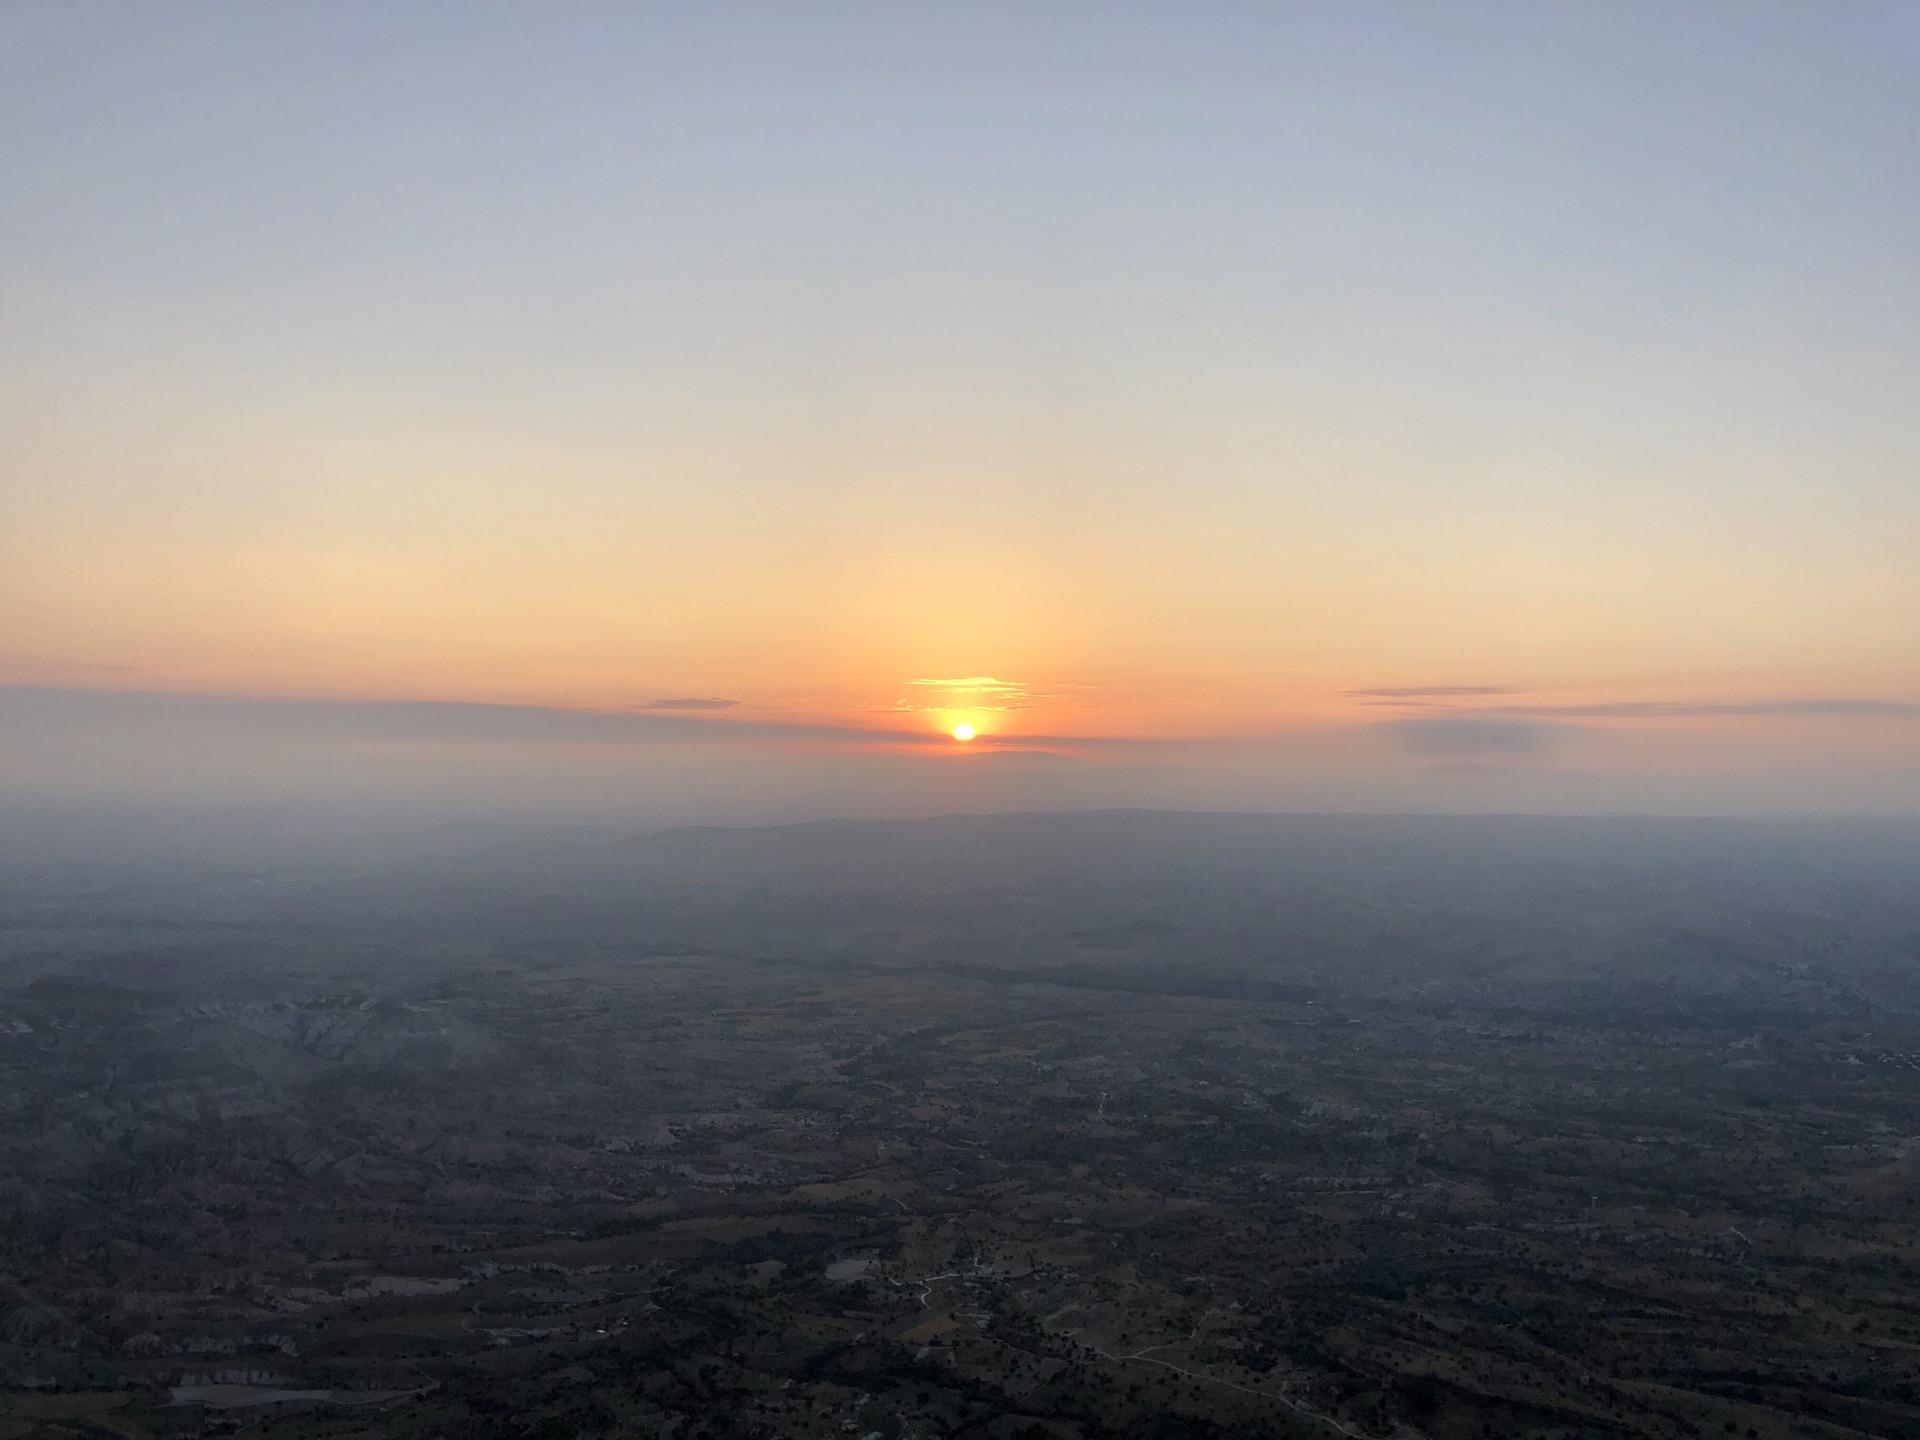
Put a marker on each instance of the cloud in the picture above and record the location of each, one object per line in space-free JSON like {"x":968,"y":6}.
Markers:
{"x":1665,"y":709}
{"x":1471,"y":736}
{"x":421,"y":720}
{"x":691,"y":702}
{"x":1817,"y":705}
{"x":972,"y":692}
{"x":465,"y":722}
{"x":1413,"y":692}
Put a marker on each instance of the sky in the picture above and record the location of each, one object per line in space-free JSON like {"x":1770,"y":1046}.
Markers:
{"x":699,"y":411}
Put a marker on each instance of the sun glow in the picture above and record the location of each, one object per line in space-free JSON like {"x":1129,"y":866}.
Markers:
{"x":963,"y":731}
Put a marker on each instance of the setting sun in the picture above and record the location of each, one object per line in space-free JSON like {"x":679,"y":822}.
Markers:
{"x":963,"y":731}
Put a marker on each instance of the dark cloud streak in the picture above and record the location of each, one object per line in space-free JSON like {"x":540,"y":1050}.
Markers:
{"x":422,"y":720}
{"x":1679,"y":709}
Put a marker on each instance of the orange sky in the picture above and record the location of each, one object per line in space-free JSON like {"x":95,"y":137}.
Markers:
{"x":1186,"y":377}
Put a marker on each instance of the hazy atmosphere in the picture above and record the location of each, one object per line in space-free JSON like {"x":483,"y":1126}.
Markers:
{"x":1400,"y":407}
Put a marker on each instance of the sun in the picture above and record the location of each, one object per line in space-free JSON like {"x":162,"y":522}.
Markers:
{"x":963,"y":731}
